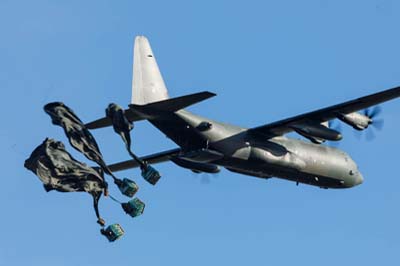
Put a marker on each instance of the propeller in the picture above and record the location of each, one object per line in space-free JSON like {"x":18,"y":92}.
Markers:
{"x":205,"y":178}
{"x":335,"y":125}
{"x":372,"y":113}
{"x":377,"y":124}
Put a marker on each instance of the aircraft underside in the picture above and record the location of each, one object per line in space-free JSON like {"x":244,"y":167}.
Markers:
{"x":263,"y":171}
{"x":261,"y":151}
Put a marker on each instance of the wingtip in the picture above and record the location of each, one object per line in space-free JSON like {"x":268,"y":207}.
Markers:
{"x":210,"y":94}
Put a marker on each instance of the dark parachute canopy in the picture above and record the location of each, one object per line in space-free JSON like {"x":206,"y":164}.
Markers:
{"x":59,"y":171}
{"x":82,"y":140}
{"x":78,"y":135}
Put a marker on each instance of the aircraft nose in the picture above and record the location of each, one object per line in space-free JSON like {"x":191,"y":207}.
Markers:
{"x":358,"y":179}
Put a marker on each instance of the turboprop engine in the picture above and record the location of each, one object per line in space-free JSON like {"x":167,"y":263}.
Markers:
{"x":356,"y":120}
{"x":317,"y":133}
{"x":196,"y":167}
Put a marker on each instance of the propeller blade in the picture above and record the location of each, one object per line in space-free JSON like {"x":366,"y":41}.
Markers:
{"x":357,"y":134}
{"x":378,"y":124}
{"x":333,"y":124}
{"x":370,"y":135}
{"x":375,"y":111}
{"x":205,"y":179}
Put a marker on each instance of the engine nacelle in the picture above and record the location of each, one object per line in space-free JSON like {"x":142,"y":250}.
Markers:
{"x":196,"y":167}
{"x":317,"y":133}
{"x":356,"y":120}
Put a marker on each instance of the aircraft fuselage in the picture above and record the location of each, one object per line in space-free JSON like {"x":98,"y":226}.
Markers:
{"x":263,"y":151}
{"x":261,"y":156}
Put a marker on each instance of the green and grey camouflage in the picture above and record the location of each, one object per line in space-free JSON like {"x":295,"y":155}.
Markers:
{"x":59,"y":171}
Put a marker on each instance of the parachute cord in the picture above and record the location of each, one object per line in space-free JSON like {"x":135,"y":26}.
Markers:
{"x":114,"y":199}
{"x":141,"y":163}
{"x":108,"y":171}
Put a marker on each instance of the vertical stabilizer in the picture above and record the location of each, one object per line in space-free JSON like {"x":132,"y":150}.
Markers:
{"x":147,"y":83}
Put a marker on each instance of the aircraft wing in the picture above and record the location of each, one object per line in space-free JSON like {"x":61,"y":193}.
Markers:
{"x":322,"y":115}
{"x":151,"y":159}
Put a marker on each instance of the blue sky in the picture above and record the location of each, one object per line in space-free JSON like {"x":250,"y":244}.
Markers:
{"x":266,"y":60}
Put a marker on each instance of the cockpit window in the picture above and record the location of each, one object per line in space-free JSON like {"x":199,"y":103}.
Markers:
{"x":351,"y":172}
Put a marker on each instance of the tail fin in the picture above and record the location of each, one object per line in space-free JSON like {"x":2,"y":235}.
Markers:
{"x":147,"y":84}
{"x":149,"y":95}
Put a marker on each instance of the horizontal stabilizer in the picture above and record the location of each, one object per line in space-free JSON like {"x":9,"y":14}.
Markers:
{"x":175,"y":104}
{"x":152,"y":110}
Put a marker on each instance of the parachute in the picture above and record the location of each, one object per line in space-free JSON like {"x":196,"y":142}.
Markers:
{"x":78,"y":135}
{"x":59,"y":171}
{"x":81,"y":139}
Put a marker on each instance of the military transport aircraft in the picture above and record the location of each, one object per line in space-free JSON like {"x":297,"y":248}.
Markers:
{"x":264,"y":151}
